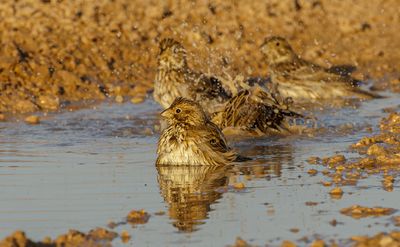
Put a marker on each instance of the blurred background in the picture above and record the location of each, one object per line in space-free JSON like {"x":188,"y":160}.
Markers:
{"x":54,"y":52}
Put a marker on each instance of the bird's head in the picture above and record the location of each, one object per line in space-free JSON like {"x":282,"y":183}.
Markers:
{"x":277,"y":50}
{"x":185,"y":111}
{"x":172,"y":54}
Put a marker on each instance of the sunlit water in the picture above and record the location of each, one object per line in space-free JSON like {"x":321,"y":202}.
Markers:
{"x":82,"y":169}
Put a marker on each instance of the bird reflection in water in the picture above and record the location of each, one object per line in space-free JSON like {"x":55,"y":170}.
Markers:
{"x":269,"y":160}
{"x":190,"y":191}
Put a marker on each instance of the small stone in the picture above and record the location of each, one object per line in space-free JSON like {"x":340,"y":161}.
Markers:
{"x":333,"y":222}
{"x":138,"y":217}
{"x":336,"y":191}
{"x":312,"y":172}
{"x":326,"y":184}
{"x":357,"y":211}
{"x":340,"y":168}
{"x":359,"y":238}
{"x":24,"y":106}
{"x":239,"y":186}
{"x":240,"y":243}
{"x":376,"y":150}
{"x":288,"y":243}
{"x":48,"y":102}
{"x":385,"y":241}
{"x":119,"y":99}
{"x":396,"y":220}
{"x":314,"y":160}
{"x":337,"y":159}
{"x":2,"y":117}
{"x":101,"y":234}
{"x":395,"y":235}
{"x":326,"y":172}
{"x":125,"y":236}
{"x":318,"y":243}
{"x":147,"y":132}
{"x":32,"y":119}
{"x":112,"y":224}
{"x":137,"y":100}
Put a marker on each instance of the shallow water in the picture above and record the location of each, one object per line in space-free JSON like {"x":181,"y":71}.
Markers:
{"x":85,"y":168}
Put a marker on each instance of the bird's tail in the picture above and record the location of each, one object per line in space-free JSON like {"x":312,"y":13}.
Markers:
{"x":363,"y":94}
{"x":240,"y":158}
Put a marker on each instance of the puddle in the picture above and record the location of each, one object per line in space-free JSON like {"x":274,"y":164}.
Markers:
{"x":86,"y":168}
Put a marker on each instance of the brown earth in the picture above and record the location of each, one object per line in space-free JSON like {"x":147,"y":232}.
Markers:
{"x":98,"y":237}
{"x":379,"y":155}
{"x":54,"y":52}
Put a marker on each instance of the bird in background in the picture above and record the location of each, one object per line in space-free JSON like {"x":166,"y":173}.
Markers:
{"x":175,"y":79}
{"x":255,"y":111}
{"x":191,"y":138}
{"x":249,"y":108}
{"x":305,"y":81}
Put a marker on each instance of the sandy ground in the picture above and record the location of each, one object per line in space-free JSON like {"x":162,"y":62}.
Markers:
{"x":56,"y":52}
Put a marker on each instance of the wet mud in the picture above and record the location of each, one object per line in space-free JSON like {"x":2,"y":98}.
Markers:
{"x":56,"y":52}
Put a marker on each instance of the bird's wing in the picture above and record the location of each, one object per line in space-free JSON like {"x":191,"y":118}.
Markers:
{"x":303,"y":71}
{"x":212,"y":137}
{"x":343,"y":69}
{"x":254,"y":110}
{"x":237,"y":111}
{"x":207,"y":87}
{"x":212,"y":144}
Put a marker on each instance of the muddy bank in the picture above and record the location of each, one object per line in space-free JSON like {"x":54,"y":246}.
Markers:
{"x":380,"y":239}
{"x":379,"y":156}
{"x":96,"y":237}
{"x":53,"y":52}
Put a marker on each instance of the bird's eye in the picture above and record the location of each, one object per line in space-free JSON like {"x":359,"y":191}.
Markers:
{"x":213,"y":141}
{"x":178,"y":110}
{"x":277,"y":43}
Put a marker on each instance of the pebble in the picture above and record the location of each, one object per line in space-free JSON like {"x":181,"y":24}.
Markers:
{"x":288,"y":243}
{"x":357,"y":211}
{"x":239,"y":186}
{"x":326,"y":184}
{"x":119,"y":99}
{"x":336,"y":191}
{"x":125,"y":236}
{"x":312,"y":172}
{"x":314,"y":160}
{"x":137,"y":100}
{"x":138,"y":217}
{"x":47,"y":102}
{"x":32,"y":119}
{"x":318,"y":243}
{"x":24,"y":106}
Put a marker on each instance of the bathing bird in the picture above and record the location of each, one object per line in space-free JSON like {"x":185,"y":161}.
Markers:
{"x":305,"y":81}
{"x":191,"y":138}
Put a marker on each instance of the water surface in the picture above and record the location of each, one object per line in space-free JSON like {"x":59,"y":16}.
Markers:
{"x":82,"y":169}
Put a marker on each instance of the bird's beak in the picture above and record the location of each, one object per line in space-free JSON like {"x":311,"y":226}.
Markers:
{"x":165,"y":113}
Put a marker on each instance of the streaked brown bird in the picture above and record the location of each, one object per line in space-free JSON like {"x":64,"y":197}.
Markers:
{"x":305,"y":81}
{"x":191,"y":138}
{"x":248,"y":109}
{"x":175,"y":79}
{"x":256,"y":112}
